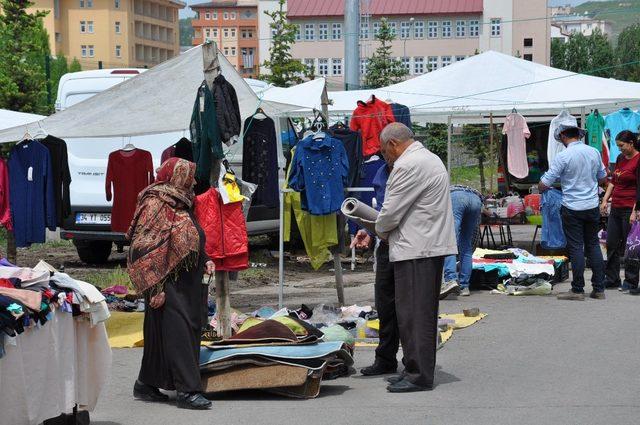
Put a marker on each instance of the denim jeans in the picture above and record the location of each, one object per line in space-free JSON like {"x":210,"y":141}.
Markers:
{"x":618,"y":227}
{"x":467,"y":207}
{"x":581,"y":230}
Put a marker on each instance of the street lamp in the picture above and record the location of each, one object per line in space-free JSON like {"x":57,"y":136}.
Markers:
{"x":404,"y":53}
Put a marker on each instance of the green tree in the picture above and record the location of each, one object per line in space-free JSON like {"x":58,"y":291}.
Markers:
{"x":284,"y":70}
{"x":628,"y":50}
{"x":434,"y":137}
{"x":382,"y":68}
{"x":24,"y":45}
{"x":75,"y":65}
{"x":186,"y":32}
{"x":591,"y":54}
{"x":476,"y":141}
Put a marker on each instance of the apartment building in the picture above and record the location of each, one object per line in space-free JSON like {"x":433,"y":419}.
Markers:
{"x":113,"y":33}
{"x":233,"y":25}
{"x":562,"y":26}
{"x":430,"y":33}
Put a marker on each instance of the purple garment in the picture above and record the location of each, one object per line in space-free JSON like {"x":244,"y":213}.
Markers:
{"x":5,"y":263}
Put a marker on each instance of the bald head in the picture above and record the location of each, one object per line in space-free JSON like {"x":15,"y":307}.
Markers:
{"x":398,"y":132}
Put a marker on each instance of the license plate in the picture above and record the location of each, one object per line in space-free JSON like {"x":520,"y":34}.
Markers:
{"x":93,"y":218}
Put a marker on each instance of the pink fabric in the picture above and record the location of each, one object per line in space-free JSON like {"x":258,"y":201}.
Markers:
{"x":516,"y":129}
{"x":31,"y":299}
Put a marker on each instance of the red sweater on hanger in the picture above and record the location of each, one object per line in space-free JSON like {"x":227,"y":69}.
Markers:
{"x":129,"y":172}
{"x":5,"y":209}
{"x":370,"y":118}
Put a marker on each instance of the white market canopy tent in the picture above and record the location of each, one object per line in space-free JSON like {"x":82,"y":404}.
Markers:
{"x":492,"y":82}
{"x":157,"y":101}
{"x":308,"y":95}
{"x":10,"y":119}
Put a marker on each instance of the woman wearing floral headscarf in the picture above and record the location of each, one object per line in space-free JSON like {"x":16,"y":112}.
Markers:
{"x":166,"y":263}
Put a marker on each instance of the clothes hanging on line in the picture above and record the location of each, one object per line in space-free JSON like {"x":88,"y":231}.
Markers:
{"x":183,"y":149}
{"x":319,"y":170}
{"x":401,"y":114}
{"x":227,"y":109}
{"x":205,"y":136}
{"x":516,"y":129}
{"x":32,"y":197}
{"x":61,"y":176}
{"x":624,"y":119}
{"x":595,"y":130}
{"x":260,"y":159}
{"x":5,"y":207}
{"x":370,"y":118}
{"x":553,"y":146}
{"x":128,"y":173}
{"x":352,"y":143}
{"x":225,"y":228}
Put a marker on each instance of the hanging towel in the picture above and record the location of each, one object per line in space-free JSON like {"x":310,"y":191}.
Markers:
{"x":516,"y":129}
{"x":552,"y":232}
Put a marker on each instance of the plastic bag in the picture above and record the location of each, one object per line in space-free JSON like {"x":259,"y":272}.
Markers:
{"x":633,"y":242}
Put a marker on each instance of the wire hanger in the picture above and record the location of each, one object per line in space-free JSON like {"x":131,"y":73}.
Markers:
{"x":129,"y":146}
{"x":40,"y":133}
{"x":260,"y":112}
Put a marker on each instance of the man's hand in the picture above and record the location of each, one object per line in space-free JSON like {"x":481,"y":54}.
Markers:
{"x":362,"y":240}
{"x":603,"y":209}
{"x":158,"y":300}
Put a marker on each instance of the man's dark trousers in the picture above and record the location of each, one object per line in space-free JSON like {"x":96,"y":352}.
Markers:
{"x":385,"y":294}
{"x":417,"y":297}
{"x":581,"y":230}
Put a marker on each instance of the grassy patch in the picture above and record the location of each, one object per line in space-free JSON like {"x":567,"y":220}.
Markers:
{"x":470,"y":176}
{"x":106,"y":278}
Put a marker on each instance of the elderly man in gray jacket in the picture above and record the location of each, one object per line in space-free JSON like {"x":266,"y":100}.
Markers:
{"x":417,"y":220}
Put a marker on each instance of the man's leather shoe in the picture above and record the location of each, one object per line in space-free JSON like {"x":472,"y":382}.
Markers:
{"x":193,"y":401}
{"x":148,"y":393}
{"x":378,"y":369}
{"x":405,"y":386}
{"x":395,"y":378}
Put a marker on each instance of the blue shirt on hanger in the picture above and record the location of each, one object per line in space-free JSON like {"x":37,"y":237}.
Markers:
{"x":320,"y":170}
{"x":624,"y":119}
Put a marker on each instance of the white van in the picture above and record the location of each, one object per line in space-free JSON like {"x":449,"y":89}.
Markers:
{"x":88,"y":225}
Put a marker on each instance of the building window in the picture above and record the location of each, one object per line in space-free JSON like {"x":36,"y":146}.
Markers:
{"x":432,"y":63}
{"x":83,"y":27}
{"x":56,"y":9}
{"x":90,"y":27}
{"x":376,"y":29}
{"x":233,"y":33}
{"x":91,"y":51}
{"x":207,"y":16}
{"x":474,"y":28}
{"x":446,"y":61}
{"x":460,"y":58}
{"x":406,"y":64}
{"x":309,"y":32}
{"x":461,"y":28}
{"x":118,"y":51}
{"x":117,"y":27}
{"x":418,"y":65}
{"x":528,"y":57}
{"x":433,"y":29}
{"x":298,"y":33}
{"x":528,"y":42}
{"x":226,"y":32}
{"x":116,"y":4}
{"x":311,"y":65}
{"x":233,"y":16}
{"x":58,"y":37}
{"x":496,"y":27}
{"x":215,"y":32}
{"x":405,"y":30}
{"x":363,"y":66}
{"x":393,"y":26}
{"x":336,"y":31}
{"x":215,"y":15}
{"x":249,"y":34}
{"x":364,"y":30}
{"x":233,"y":51}
{"x":207,"y":33}
{"x":89,"y":3}
{"x":225,"y":16}
{"x":337,"y":66}
{"x":323,"y":31}
{"x":83,"y":50}
{"x":446,"y":29}
{"x":226,"y":51}
{"x":323,"y":67}
{"x":418,"y":29}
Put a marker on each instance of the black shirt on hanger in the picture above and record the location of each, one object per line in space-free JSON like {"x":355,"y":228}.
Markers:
{"x":260,"y":159}
{"x":353,"y":145}
{"x":61,"y":176}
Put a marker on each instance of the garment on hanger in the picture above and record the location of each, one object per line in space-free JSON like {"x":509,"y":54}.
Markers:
{"x":128,"y":173}
{"x":553,"y":146}
{"x":352,"y":143}
{"x":318,"y":232}
{"x":61,"y":176}
{"x":260,"y":160}
{"x":369,"y":169}
{"x":227,"y":243}
{"x":319,"y":170}
{"x":183,"y":149}
{"x":595,"y":129}
{"x":205,"y":135}
{"x":227,"y":109}
{"x":370,"y":118}
{"x":32,"y":199}
{"x":401,"y":114}
{"x":552,"y":235}
{"x":624,"y":119}
{"x":516,"y":129}
{"x":5,"y":207}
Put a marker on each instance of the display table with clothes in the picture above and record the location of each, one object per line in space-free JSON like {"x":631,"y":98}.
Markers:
{"x":54,"y":351}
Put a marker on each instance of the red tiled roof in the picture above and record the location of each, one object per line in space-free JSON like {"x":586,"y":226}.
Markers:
{"x":313,"y":8}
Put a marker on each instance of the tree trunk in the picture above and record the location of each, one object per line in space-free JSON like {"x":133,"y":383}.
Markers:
{"x":483,"y":183}
{"x":12,"y":252}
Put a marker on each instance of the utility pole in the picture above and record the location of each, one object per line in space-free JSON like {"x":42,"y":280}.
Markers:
{"x":351,"y":45}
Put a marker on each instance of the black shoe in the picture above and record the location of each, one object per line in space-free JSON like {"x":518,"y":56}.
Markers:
{"x":148,"y":393}
{"x":597,"y":295}
{"x":634,"y":291}
{"x":193,"y":401}
{"x":405,"y":386}
{"x":395,"y":378}
{"x":377,"y":369}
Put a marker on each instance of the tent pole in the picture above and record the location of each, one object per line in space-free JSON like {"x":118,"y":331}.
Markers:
{"x":211,"y":68}
{"x":582,"y":118}
{"x":449,"y":135}
{"x":492,"y":161}
{"x":281,"y":254}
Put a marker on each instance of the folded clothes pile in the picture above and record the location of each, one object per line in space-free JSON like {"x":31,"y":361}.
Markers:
{"x":285,"y":355}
